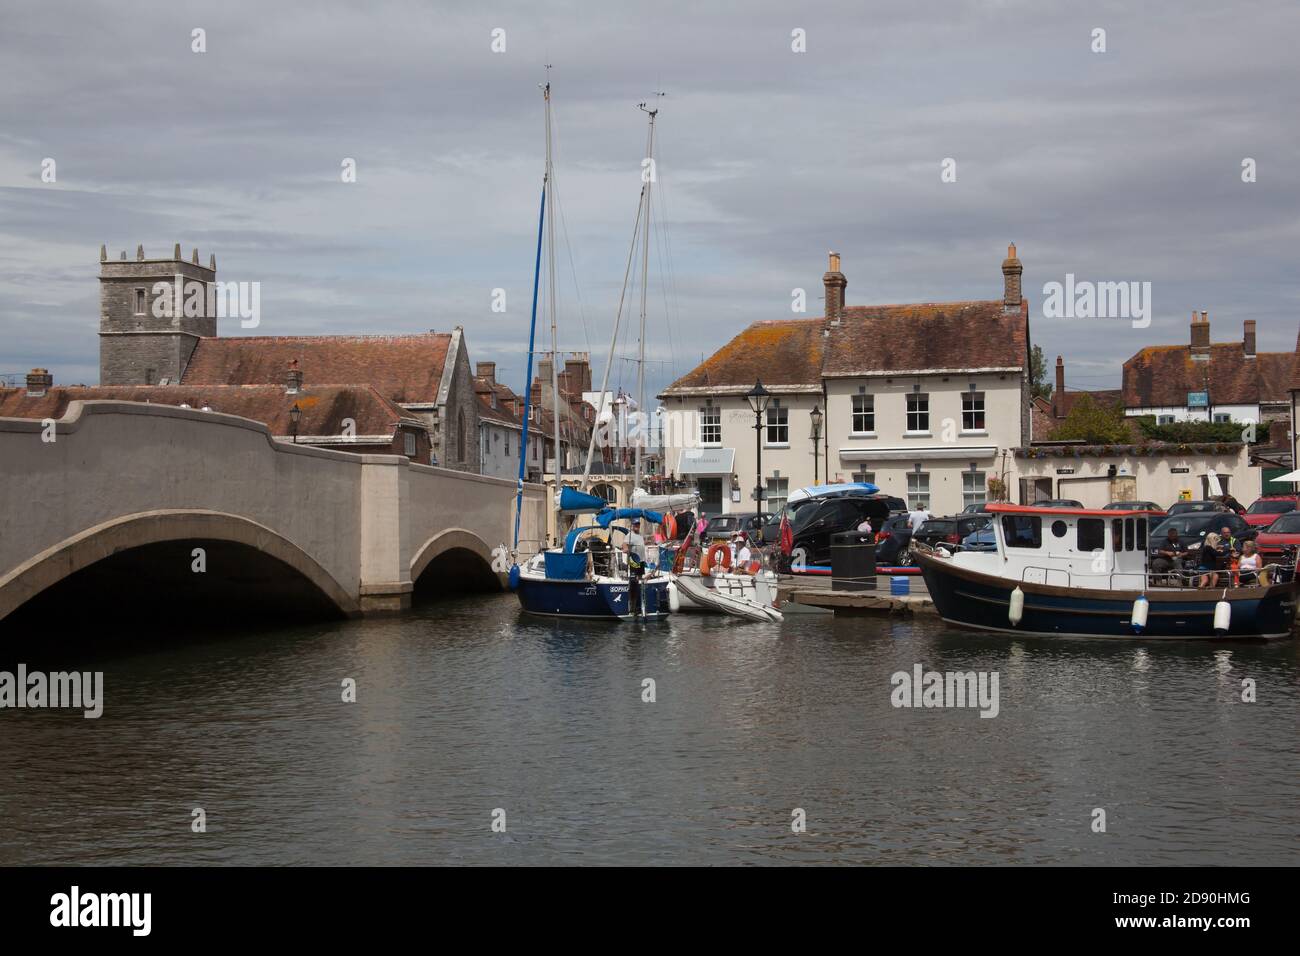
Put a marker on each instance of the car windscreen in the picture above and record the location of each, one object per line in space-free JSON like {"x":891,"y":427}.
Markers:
{"x":1287,"y":524}
{"x":1276,"y":507}
{"x":1184,"y":524}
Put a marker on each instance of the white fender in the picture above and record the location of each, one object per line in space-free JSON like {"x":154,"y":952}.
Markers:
{"x":674,"y":599}
{"x":1016,"y":609}
{"x":1140,"y":608}
{"x":1222,"y":617}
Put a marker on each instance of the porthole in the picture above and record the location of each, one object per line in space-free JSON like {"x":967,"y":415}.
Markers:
{"x":1058,"y":528}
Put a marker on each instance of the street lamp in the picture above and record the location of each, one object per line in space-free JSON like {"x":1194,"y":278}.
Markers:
{"x":758,"y":397}
{"x":295,"y":413}
{"x":816,"y":416}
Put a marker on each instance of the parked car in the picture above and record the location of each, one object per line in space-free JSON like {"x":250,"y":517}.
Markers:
{"x":1266,"y":508}
{"x":951,"y":530}
{"x":772,"y":526}
{"x":1284,"y":532}
{"x":1194,"y":526}
{"x":977,"y":508}
{"x":893,"y":541}
{"x":1133,"y":506}
{"x":981,"y":540}
{"x":724,"y":526}
{"x":813,"y":525}
{"x":1058,"y":503}
{"x":1186,"y":507}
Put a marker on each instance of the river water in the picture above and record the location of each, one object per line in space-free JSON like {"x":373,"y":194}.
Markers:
{"x":465,"y":707}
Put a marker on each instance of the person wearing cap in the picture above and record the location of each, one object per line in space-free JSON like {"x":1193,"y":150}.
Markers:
{"x":740,"y":553}
{"x":634,"y":546}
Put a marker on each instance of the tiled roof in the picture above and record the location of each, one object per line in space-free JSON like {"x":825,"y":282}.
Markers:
{"x":1162,"y":375}
{"x":1102,"y":396}
{"x":869,"y":340}
{"x":323,"y":407}
{"x":502,"y":413}
{"x":404,"y":368}
{"x":781,"y":352}
{"x":932,"y":335}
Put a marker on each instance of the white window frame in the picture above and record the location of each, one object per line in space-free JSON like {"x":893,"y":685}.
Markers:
{"x":918,"y":417}
{"x":918,"y":490}
{"x":864,"y":418}
{"x":776,"y":494}
{"x":778,"y":424}
{"x":968,"y":414}
{"x":710,"y":423}
{"x":974,"y":487}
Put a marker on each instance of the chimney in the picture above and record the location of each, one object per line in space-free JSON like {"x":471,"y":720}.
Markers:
{"x":39,"y":381}
{"x":293,"y":380}
{"x":1058,"y":393}
{"x":835,"y":283}
{"x":1200,"y":336}
{"x":1248,"y":338}
{"x":487,"y":370}
{"x":1011,"y":270}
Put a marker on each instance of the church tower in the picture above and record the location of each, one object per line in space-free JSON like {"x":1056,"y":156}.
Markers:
{"x":145,"y":337}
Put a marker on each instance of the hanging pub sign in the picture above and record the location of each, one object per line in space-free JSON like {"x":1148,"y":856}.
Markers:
{"x":1198,"y":399}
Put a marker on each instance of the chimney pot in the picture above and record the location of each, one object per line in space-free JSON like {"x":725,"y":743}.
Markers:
{"x":39,"y":381}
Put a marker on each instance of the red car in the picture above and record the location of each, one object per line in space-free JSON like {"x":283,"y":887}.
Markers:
{"x":1265,"y":509}
{"x":1283,"y":532}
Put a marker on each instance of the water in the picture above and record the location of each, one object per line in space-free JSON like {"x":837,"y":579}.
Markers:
{"x":466,"y":706}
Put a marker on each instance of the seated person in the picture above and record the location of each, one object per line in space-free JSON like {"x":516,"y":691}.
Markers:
{"x":1167,"y":556}
{"x":1248,"y":565}
{"x":1209,"y":561}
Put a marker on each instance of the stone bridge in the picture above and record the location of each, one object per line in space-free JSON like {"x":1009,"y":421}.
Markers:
{"x":150,"y":499}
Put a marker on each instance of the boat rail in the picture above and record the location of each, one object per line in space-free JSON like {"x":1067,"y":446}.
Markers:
{"x":1173,"y":579}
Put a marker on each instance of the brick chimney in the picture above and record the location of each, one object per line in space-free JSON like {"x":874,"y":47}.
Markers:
{"x":1011,"y":271}
{"x":39,"y":381}
{"x":1200,"y":336}
{"x":293,"y":379}
{"x":487,"y":370}
{"x":835,"y":284}
{"x":1058,"y":393}
{"x":1248,"y":338}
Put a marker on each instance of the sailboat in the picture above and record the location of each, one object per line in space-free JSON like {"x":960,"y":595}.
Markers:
{"x":590,"y":574}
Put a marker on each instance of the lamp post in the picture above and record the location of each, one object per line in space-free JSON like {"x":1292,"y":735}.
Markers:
{"x":295,"y":413}
{"x":816,"y":416}
{"x":758,"y":397}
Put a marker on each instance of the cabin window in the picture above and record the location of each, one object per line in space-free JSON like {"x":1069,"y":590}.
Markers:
{"x":1117,"y":533}
{"x":1022,"y":531}
{"x":1092,"y":534}
{"x":1142,"y":534}
{"x":1128,"y":534}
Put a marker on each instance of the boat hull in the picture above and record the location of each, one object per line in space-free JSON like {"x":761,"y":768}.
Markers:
{"x":605,"y":600}
{"x":972,"y":599}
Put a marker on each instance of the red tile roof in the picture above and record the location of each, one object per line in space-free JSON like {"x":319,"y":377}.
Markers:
{"x":502,"y":413}
{"x":323,"y":407}
{"x":869,"y":340}
{"x":1161,"y":376}
{"x":403,"y":368}
{"x":927,"y":336}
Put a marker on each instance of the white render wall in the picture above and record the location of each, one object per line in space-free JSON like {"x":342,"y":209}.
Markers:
{"x":1155,"y":479}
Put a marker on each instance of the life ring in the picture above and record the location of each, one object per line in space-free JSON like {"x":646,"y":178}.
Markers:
{"x":719,"y":553}
{"x":670,"y":527}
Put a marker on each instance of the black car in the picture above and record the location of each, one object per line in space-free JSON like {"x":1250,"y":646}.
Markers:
{"x":1193,"y":527}
{"x":772,"y":525}
{"x":951,"y":530}
{"x":1186,"y":507}
{"x":1132,"y":506}
{"x":1058,"y":503}
{"x":816,"y":520}
{"x":893,"y":541}
{"x":724,"y":526}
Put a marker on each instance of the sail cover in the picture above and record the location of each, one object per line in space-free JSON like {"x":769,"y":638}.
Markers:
{"x":615,"y":514}
{"x":683,"y":502}
{"x":578,"y":502}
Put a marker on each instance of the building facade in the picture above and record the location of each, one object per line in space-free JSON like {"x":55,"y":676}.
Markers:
{"x":921,"y":400}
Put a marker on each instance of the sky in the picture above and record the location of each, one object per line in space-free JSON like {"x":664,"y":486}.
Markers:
{"x":1117,"y":165}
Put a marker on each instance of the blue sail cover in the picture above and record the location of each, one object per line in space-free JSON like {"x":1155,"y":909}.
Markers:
{"x":565,"y":567}
{"x":615,"y":514}
{"x":571,"y":539}
{"x":575,"y":502}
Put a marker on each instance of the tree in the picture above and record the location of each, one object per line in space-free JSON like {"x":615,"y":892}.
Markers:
{"x":1039,"y":386}
{"x":1100,"y":424}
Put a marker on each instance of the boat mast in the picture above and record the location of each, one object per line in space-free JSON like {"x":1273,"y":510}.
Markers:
{"x":649,"y":176}
{"x":555,"y":353}
{"x":532,"y":342}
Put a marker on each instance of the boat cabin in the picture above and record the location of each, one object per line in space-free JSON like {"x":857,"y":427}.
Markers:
{"x":1069,"y":547}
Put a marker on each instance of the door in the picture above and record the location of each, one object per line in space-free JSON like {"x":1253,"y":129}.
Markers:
{"x":711,"y":496}
{"x":1035,"y":489}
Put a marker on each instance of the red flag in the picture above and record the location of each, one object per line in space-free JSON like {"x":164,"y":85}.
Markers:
{"x":787,"y":536}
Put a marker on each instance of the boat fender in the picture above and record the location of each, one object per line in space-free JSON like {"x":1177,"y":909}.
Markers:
{"x":1222,"y":617}
{"x":674,"y":599}
{"x":670,"y":527}
{"x":1016,"y":607}
{"x":719,"y":553}
{"x":1140,"y":608}
{"x":513,"y":579}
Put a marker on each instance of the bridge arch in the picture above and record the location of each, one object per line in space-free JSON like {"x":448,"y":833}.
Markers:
{"x":129,"y":532}
{"x":442,"y":552}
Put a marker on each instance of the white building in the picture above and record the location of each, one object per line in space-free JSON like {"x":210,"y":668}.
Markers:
{"x":919,"y":399}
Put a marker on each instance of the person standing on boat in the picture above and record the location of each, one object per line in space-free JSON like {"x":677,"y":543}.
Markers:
{"x":634,"y":545}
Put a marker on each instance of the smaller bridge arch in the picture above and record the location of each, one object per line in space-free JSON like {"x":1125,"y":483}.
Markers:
{"x":453,"y":552}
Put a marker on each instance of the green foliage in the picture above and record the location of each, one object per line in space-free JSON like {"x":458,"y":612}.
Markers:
{"x":1090,"y":421}
{"x":1039,"y":386}
{"x":1199,"y":431}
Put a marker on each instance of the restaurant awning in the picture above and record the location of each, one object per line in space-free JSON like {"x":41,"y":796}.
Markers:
{"x":706,"y":461}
